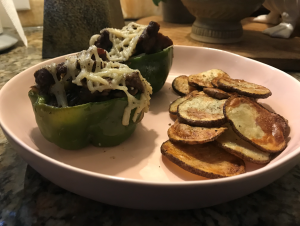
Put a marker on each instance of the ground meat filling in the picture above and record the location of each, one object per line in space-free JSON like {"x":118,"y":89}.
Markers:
{"x":133,"y":81}
{"x":44,"y":80}
{"x":150,"y":41}
{"x":77,"y":95}
{"x":61,"y":70}
{"x":103,"y":41}
{"x":102,"y":54}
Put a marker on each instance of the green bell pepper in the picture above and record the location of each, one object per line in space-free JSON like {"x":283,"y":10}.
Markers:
{"x":98,"y":123}
{"x":153,"y":67}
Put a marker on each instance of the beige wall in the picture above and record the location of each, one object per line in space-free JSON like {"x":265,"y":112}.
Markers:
{"x":132,"y":9}
{"x":34,"y":16}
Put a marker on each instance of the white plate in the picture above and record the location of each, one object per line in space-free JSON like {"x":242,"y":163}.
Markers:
{"x":134,"y":174}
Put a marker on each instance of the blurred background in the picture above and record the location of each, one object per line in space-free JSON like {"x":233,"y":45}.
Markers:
{"x":31,"y":12}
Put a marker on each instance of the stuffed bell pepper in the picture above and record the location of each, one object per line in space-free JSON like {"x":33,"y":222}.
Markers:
{"x":140,"y":47}
{"x":88,"y":99}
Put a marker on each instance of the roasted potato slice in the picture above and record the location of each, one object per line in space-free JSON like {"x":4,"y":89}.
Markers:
{"x":252,"y":122}
{"x":235,"y":145}
{"x":195,"y":93}
{"x":284,"y":125}
{"x":180,"y":85}
{"x":214,"y":82}
{"x":202,"y":110}
{"x":244,"y":88}
{"x":173,"y":106}
{"x":216,"y":93}
{"x":206,"y":160}
{"x":204,"y":79}
{"x":186,"y":134}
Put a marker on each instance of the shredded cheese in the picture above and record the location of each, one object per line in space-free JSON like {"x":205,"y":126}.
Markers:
{"x":57,"y":89}
{"x":124,"y":41}
{"x":96,"y":80}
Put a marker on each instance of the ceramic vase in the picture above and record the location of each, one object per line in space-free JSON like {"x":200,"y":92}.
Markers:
{"x":218,"y":21}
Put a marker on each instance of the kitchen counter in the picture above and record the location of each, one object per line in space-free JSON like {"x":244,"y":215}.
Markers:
{"x":26,"y":198}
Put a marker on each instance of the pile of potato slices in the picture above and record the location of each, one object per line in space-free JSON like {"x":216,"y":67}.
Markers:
{"x":219,"y":125}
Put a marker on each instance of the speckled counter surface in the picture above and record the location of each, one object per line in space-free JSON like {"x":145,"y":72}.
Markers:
{"x":26,"y":198}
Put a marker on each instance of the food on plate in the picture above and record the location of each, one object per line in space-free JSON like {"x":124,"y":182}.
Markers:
{"x":173,"y":106}
{"x":225,"y":114}
{"x":216,"y":93}
{"x":154,"y":67}
{"x":257,"y":125}
{"x":88,"y":99}
{"x":214,"y":82}
{"x":183,"y":133}
{"x":244,"y":88}
{"x":202,"y":110}
{"x":204,"y":79}
{"x":232,"y":143}
{"x":140,"y":47}
{"x":181,"y":86}
{"x":207,"y":160}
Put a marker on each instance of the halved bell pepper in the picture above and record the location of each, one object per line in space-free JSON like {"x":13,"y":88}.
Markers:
{"x":153,"y":67}
{"x":98,"y":123}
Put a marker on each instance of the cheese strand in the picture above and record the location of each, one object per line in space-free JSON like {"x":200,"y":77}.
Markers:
{"x":97,"y":80}
{"x":123,"y":41}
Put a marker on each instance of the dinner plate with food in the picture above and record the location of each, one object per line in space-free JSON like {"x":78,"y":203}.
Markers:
{"x":134,"y":121}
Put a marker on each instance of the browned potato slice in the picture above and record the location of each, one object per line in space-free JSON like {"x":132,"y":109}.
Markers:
{"x":235,"y":145}
{"x":214,"y":82}
{"x":284,"y":124}
{"x":244,"y":88}
{"x":221,"y":94}
{"x":180,"y":85}
{"x":193,"y":135}
{"x":204,"y":79}
{"x":206,"y":160}
{"x":254,"y":123}
{"x":195,"y":93}
{"x":173,"y":106}
{"x":202,"y":110}
{"x":216,"y":93}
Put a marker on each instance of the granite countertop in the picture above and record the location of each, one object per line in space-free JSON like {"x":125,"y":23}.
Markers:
{"x":26,"y":198}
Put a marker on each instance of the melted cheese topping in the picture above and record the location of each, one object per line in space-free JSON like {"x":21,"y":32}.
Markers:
{"x":96,"y":80}
{"x":124,"y":41}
